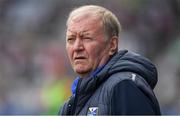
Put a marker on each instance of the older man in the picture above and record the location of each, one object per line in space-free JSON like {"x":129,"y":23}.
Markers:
{"x":109,"y":82}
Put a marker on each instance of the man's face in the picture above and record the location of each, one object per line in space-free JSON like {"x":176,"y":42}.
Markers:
{"x":86,"y":45}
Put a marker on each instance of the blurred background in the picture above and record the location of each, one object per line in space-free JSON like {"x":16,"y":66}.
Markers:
{"x":35,"y":75}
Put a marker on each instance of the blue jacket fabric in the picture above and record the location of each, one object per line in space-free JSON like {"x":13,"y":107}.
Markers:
{"x":123,"y":86}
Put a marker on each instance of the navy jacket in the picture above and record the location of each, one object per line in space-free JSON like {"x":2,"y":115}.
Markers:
{"x":123,"y":86}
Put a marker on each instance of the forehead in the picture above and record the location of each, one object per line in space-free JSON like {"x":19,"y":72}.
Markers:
{"x":85,"y":22}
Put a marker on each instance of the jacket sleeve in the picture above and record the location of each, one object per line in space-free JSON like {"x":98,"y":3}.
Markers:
{"x":128,"y":99}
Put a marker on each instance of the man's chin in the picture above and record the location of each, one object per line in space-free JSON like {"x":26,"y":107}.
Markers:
{"x":81,"y":72}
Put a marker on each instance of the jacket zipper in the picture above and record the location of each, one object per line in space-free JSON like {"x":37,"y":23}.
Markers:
{"x":76,"y":97}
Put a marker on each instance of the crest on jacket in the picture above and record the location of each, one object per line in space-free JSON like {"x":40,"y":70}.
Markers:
{"x":92,"y":111}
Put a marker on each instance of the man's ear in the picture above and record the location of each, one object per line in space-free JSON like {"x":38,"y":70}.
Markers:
{"x":113,"y":45}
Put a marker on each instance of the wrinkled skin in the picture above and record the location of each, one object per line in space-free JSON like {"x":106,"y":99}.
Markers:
{"x":86,"y":45}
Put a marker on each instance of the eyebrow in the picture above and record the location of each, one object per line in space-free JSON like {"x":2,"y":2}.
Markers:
{"x":83,"y":32}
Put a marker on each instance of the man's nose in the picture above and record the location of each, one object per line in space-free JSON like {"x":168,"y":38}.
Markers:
{"x":78,"y":45}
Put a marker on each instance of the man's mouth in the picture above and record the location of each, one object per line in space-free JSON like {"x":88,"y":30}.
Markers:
{"x":79,"y":58}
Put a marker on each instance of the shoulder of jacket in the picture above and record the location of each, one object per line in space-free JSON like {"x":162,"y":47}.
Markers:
{"x":137,"y":80}
{"x":116,"y":78}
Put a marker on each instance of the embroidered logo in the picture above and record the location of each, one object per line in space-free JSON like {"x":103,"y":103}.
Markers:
{"x":92,"y":111}
{"x":133,"y":77}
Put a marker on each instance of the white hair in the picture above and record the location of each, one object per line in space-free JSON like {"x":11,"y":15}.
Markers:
{"x":110,"y":23}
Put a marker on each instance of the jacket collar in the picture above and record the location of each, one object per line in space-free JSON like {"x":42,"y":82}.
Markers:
{"x":92,"y":75}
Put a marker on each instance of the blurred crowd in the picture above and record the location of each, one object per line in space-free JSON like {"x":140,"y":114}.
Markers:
{"x":35,"y":75}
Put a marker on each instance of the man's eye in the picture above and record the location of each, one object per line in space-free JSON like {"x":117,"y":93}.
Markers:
{"x":87,"y":38}
{"x":70,"y":39}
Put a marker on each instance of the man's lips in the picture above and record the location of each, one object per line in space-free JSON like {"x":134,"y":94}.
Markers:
{"x":79,"y":58}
